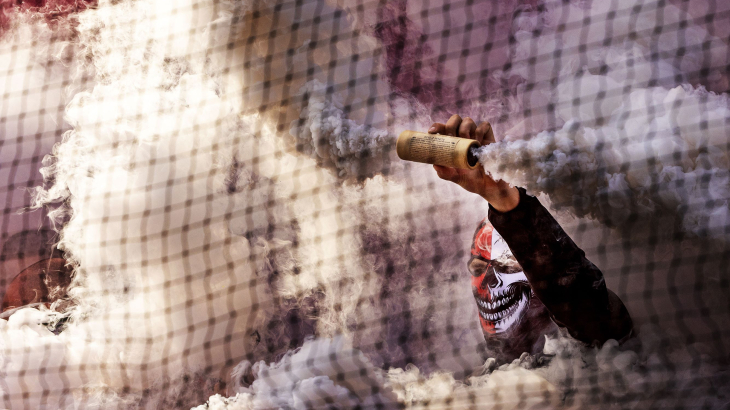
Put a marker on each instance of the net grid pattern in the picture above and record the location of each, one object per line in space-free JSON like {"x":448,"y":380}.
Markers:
{"x":219,"y":178}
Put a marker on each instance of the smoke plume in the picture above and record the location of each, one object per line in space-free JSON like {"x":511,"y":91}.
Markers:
{"x":630,"y":128}
{"x":227,"y":194}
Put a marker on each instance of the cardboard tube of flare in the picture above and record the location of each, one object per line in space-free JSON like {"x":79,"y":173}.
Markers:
{"x":437,"y":149}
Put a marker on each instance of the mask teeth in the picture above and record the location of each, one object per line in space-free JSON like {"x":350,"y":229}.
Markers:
{"x":499,"y":317}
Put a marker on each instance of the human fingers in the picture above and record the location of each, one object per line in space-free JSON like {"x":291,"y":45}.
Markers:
{"x":467,"y":128}
{"x":437,"y":128}
{"x":452,"y":125}
{"x":481,"y":132}
{"x":446,"y":173}
{"x":486,"y":133}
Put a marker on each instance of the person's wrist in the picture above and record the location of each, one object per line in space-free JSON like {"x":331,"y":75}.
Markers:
{"x":503,"y":198}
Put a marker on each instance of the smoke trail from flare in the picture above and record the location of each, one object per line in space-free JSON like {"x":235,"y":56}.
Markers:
{"x":633,"y":130}
{"x":207,"y":205}
{"x":181,"y":194}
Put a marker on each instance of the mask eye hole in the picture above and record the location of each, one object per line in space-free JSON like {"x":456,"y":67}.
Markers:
{"x":506,"y":268}
{"x":478,"y":266}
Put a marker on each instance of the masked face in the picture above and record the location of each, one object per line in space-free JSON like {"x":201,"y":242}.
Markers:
{"x":499,"y":285}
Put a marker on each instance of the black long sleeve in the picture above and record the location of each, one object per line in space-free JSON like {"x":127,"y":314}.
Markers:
{"x":569,"y":285}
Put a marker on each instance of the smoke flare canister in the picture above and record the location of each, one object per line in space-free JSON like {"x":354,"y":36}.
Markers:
{"x":437,"y":149}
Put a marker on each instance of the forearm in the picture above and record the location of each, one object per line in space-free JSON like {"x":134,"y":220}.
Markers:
{"x":501,"y":196}
{"x":569,"y":285}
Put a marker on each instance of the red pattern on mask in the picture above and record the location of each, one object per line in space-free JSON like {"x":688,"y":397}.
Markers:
{"x":482,"y":245}
{"x":482,"y":292}
{"x":487,"y":326}
{"x":479,"y":288}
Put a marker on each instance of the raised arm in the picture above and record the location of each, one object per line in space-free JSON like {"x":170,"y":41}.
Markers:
{"x":569,"y":285}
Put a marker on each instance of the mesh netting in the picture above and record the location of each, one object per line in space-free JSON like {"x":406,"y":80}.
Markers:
{"x":203,"y":205}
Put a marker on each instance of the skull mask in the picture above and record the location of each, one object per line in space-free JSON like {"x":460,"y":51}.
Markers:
{"x":500,"y":287}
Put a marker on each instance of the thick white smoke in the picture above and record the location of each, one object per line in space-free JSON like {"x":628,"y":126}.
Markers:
{"x":134,"y":273}
{"x":197,"y":229}
{"x":570,"y":376}
{"x":324,"y":130}
{"x":319,"y":374}
{"x":226,"y":192}
{"x":631,"y":129}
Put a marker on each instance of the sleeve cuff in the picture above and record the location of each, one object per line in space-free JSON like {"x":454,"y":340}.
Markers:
{"x":519,"y":212}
